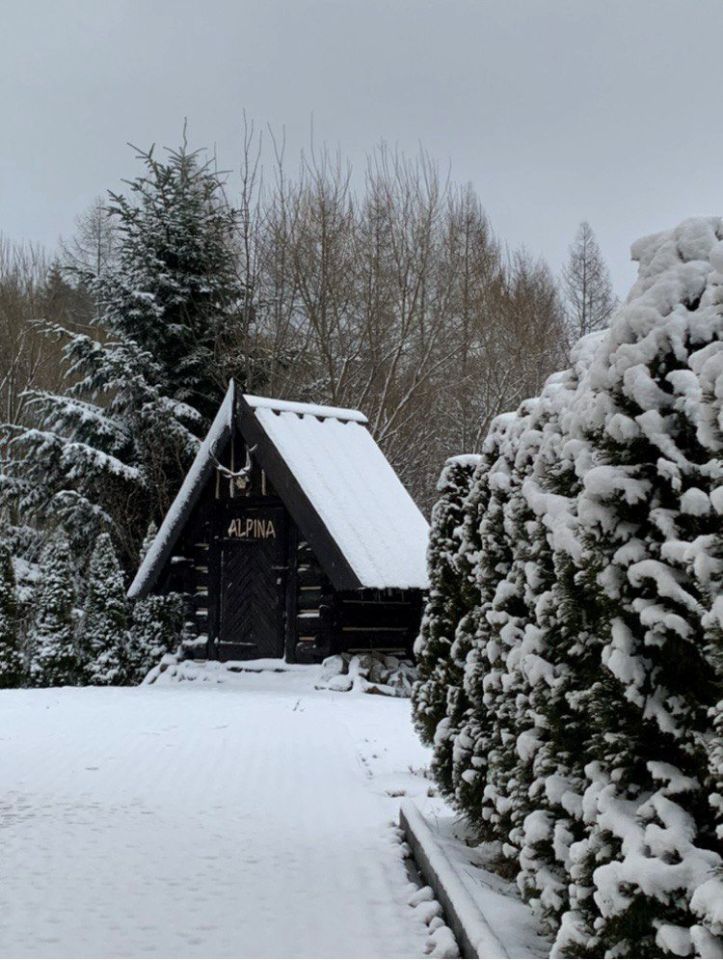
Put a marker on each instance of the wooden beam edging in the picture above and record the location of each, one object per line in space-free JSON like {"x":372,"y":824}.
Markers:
{"x":474,"y":935}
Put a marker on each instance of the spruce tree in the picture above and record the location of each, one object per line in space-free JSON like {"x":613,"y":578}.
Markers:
{"x":156,"y":629}
{"x":54,"y":660}
{"x":111,"y":451}
{"x":104,"y":625}
{"x":12,"y":669}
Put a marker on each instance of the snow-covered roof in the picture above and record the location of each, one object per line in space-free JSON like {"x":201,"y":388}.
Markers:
{"x":334,"y":480}
{"x":353,"y":488}
{"x":305,"y":409}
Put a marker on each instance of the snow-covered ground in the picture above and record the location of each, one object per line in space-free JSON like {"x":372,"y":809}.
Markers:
{"x":252,"y":818}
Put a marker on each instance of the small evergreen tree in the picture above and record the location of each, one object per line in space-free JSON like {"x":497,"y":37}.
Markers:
{"x":12,"y":669}
{"x":156,"y":629}
{"x":487,"y":551}
{"x":147,"y":541}
{"x":54,"y":658}
{"x":556,"y":656}
{"x":445,"y":602}
{"x":104,"y":626}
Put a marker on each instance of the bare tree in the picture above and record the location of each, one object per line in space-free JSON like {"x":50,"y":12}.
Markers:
{"x":588,"y":293}
{"x":31,"y":289}
{"x":390,"y":293}
{"x":94,"y":240}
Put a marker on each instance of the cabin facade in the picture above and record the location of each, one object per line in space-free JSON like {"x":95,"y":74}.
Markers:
{"x":292,"y":537}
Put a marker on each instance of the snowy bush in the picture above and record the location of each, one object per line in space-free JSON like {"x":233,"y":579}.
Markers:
{"x":155,"y":630}
{"x":440,"y":674}
{"x":103,"y":637}
{"x":54,"y":659}
{"x":587,"y":741}
{"x":12,"y":670}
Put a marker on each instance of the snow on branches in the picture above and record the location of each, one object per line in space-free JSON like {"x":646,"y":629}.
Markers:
{"x":587,"y":743}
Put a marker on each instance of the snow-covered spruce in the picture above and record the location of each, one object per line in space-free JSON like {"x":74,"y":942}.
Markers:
{"x":155,"y":630}
{"x":53,"y":654}
{"x":103,"y":640}
{"x":112,"y":450}
{"x":448,"y":600}
{"x":12,"y":670}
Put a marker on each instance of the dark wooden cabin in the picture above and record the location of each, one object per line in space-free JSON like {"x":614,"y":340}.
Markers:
{"x":292,"y":536}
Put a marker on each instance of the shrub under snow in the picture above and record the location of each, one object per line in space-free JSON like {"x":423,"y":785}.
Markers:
{"x":581,"y":726}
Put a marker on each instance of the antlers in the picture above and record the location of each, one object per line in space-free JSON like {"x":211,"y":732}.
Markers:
{"x":233,"y":474}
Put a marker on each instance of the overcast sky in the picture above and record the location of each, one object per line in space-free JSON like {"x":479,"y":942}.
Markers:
{"x":556,"y":111}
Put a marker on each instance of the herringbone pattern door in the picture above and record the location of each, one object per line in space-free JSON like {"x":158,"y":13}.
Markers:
{"x":251,"y":601}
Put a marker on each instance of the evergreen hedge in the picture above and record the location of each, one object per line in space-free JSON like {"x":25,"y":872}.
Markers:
{"x":571,"y":655}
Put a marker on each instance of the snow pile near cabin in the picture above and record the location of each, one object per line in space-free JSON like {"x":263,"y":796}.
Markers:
{"x":367,"y":673}
{"x":374,"y":672}
{"x":571,"y":656}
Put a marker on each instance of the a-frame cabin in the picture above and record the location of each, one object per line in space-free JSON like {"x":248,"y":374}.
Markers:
{"x":292,"y":536}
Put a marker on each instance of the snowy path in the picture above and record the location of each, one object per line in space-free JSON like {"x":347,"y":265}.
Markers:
{"x":244,"y":820}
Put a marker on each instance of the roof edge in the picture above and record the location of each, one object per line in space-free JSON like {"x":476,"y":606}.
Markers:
{"x":185,"y":500}
{"x":305,"y":409}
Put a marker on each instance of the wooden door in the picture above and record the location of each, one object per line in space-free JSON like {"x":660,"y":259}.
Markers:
{"x":252,"y":595}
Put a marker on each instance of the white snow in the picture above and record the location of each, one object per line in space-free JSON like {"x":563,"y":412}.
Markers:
{"x":304,"y":409}
{"x":197,"y":820}
{"x":498,"y":923}
{"x":252,"y":818}
{"x":357,"y":494}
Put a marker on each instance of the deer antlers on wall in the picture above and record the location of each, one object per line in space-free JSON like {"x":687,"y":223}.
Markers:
{"x":241,"y":474}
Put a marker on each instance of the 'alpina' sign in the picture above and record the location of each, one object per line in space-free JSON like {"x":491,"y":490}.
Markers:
{"x":252,"y":528}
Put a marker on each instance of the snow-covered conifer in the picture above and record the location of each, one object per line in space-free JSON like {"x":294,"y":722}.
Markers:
{"x":111,"y":450}
{"x":644,"y":500}
{"x":12,"y":670}
{"x":150,"y":536}
{"x":103,"y":636}
{"x":447,"y":602}
{"x":488,"y":549}
{"x":556,"y":655}
{"x":51,"y":639}
{"x":156,"y":629}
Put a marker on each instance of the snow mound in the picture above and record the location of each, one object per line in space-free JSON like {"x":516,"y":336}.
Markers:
{"x":368,"y":673}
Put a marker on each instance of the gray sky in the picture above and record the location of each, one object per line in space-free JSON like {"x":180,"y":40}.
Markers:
{"x":556,"y":110}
